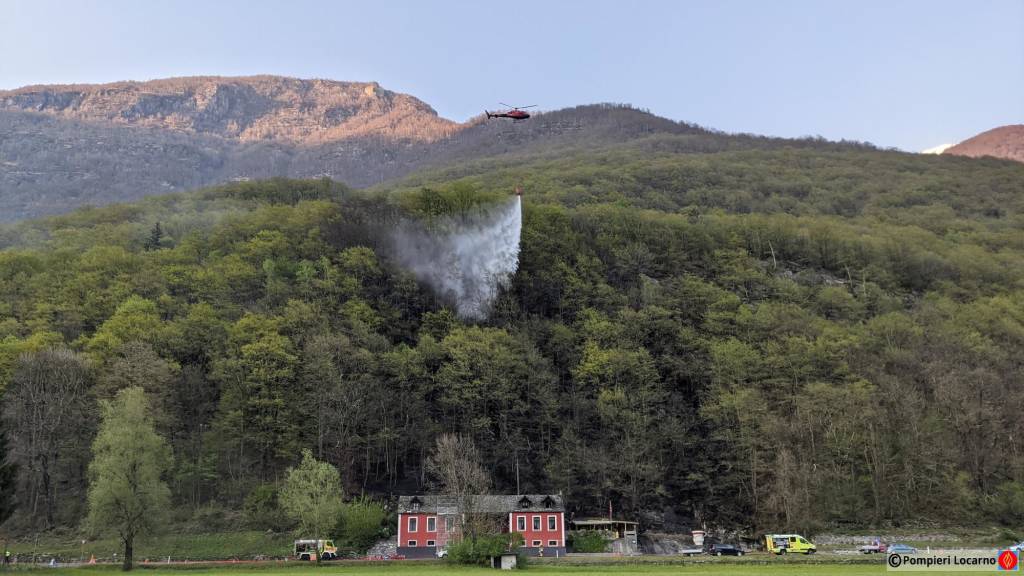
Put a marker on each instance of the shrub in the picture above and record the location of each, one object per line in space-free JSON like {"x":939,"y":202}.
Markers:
{"x":588,"y":541}
{"x":480,"y":550}
{"x":360,"y":524}
{"x":261,"y":508}
{"x":1007,"y":504}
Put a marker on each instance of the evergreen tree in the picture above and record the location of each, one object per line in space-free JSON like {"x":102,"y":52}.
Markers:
{"x":155,"y":235}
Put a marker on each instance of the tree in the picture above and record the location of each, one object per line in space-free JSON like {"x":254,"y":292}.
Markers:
{"x":312,"y":496}
{"x":128,"y":492}
{"x":8,"y":478}
{"x":258,"y":425}
{"x":133,"y":364}
{"x":360,"y":523}
{"x":455,"y":466}
{"x":46,"y":414}
{"x":156,"y":234}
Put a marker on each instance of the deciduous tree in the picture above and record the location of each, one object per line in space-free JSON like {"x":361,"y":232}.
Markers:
{"x":128,"y":493}
{"x":312,"y":496}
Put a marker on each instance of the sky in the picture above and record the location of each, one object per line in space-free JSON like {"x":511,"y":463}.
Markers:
{"x":909,"y":74}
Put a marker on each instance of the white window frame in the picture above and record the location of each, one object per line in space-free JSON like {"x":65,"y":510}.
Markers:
{"x":536,"y":544}
{"x":431,"y":543}
{"x":552,"y":523}
{"x":431,"y":520}
{"x":553,"y":543}
{"x":449,"y":523}
{"x":520,"y":523}
{"x":413,"y":525}
{"x":536,"y":522}
{"x":412,"y":543}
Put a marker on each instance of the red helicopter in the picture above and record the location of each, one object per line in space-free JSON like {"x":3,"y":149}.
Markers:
{"x":516,"y":113}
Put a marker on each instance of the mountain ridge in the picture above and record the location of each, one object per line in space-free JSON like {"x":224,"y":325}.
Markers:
{"x":65,"y":146}
{"x":243,"y":108}
{"x":1006,"y":142}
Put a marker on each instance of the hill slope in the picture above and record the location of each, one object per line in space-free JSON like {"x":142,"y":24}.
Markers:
{"x":1003,"y":142}
{"x":773,"y":338}
{"x":65,"y":146}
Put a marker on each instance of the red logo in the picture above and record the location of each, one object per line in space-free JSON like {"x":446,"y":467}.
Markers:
{"x":1007,"y":560}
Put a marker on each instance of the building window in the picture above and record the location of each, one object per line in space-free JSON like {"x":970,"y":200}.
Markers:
{"x":431,"y":524}
{"x":412,"y":543}
{"x":449,"y":523}
{"x":552,"y":523}
{"x":536,"y":543}
{"x":431,"y":543}
{"x":521,"y":523}
{"x":553,"y":543}
{"x":536,"y":522}
{"x":412,"y":524}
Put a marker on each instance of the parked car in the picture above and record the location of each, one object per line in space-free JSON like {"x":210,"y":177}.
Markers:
{"x":878,"y":547}
{"x":1018,"y":547}
{"x":691,"y":551}
{"x":441,"y":553}
{"x":724,"y":550}
{"x":901,"y":549}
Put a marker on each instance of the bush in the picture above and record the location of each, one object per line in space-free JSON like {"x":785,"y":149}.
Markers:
{"x":588,"y":541}
{"x":360,"y":524}
{"x":261,"y":508}
{"x":1006,"y":506}
{"x":480,"y":550}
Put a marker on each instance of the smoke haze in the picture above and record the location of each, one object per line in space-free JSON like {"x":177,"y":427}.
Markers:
{"x":465,"y":258}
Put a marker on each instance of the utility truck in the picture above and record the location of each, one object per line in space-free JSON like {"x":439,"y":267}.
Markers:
{"x":309,"y":550}
{"x":788,"y":544}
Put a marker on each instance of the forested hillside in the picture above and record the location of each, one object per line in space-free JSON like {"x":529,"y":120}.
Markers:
{"x":777,"y":337}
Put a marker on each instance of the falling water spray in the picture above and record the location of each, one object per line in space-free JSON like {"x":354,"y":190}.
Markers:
{"x":466,"y":259}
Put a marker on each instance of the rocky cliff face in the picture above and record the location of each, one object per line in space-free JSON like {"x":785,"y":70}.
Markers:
{"x":257,"y":108}
{"x":1003,"y":142}
{"x":65,"y":146}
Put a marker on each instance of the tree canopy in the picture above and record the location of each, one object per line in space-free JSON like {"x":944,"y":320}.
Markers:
{"x":127,"y":492}
{"x":800,"y":337}
{"x":312,"y":495}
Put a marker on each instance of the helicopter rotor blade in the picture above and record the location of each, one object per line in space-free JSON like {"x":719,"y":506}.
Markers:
{"x":506,"y":105}
{"x":530,"y":106}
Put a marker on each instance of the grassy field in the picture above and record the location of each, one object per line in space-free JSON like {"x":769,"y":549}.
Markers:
{"x":425,"y":568}
{"x":710,"y":566}
{"x":243,"y":545}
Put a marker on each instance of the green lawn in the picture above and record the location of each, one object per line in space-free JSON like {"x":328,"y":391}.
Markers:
{"x":611,"y":566}
{"x":217,"y":546}
{"x":410,"y":568}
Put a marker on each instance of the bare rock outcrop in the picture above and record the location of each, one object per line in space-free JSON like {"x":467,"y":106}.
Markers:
{"x":1003,"y":142}
{"x":247,"y":109}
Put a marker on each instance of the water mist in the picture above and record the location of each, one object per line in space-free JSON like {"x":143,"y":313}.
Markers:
{"x":465,"y":258}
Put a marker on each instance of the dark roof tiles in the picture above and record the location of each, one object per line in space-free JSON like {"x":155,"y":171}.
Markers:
{"x":487,"y":503}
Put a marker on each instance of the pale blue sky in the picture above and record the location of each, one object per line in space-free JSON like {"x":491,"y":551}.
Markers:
{"x":909,"y":74}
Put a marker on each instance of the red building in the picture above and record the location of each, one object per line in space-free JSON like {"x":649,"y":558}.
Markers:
{"x":428,"y":523}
